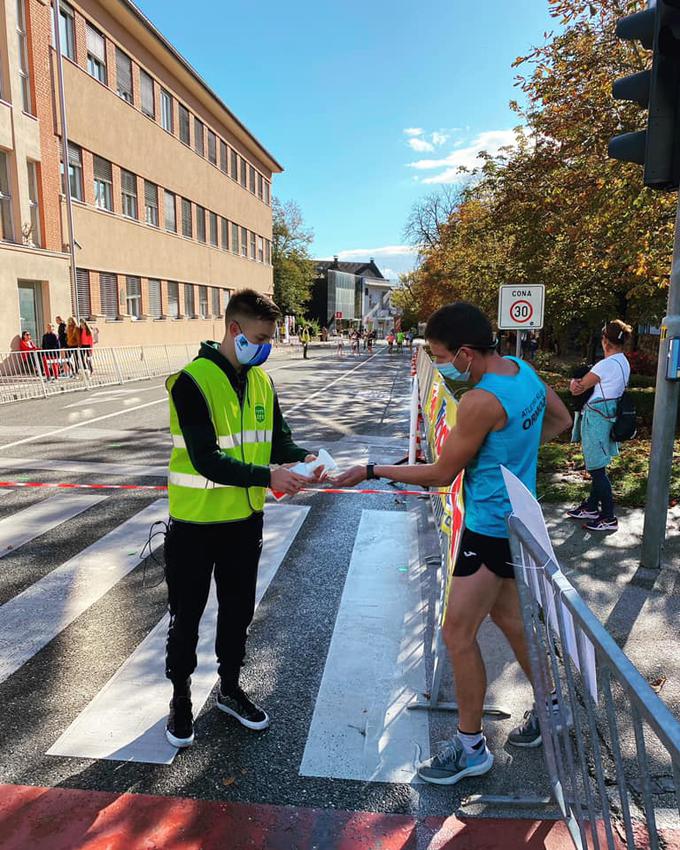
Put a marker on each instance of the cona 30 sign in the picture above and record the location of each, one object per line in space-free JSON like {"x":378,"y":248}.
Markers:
{"x":521,"y":306}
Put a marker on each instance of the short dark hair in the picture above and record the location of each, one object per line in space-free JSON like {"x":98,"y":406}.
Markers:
{"x":458,"y":324}
{"x":249,"y":304}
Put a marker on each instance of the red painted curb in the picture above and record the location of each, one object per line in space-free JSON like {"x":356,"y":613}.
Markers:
{"x":35,"y":818}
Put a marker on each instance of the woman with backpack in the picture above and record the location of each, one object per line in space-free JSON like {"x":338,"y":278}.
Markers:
{"x":606,"y":381}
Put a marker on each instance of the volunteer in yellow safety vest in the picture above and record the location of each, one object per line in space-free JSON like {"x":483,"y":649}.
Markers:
{"x":226,"y":428}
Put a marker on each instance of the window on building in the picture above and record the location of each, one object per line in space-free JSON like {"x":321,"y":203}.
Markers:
{"x":213,"y":229}
{"x":225,"y":234}
{"x":151,"y":203}
{"x":268,"y":252}
{"x":96,"y":54}
{"x":103,"y":184}
{"x":224,"y":157}
{"x":155,"y":302}
{"x":23,"y":57}
{"x":251,"y":182}
{"x":34,"y":203}
{"x":234,"y":165}
{"x":260,"y":249}
{"x":253,"y":246}
{"x":234,"y":238}
{"x":173,"y":299}
{"x":212,"y":147}
{"x":184,"y":125}
{"x":170,"y":213}
{"x":187,"y":228}
{"x":67,"y":31}
{"x":108,"y":295}
{"x":203,"y":301}
{"x":200,"y":223}
{"x":260,"y":187}
{"x":148,"y":100}
{"x":267,"y":193}
{"x":124,"y":75}
{"x":199,"y":143}
{"x":133,"y":297}
{"x":244,"y":242}
{"x":75,"y":171}
{"x":243,"y":170}
{"x":167,"y":120}
{"x":83,"y":293}
{"x":128,"y":193}
{"x":6,"y":220}
{"x":189,"y":311}
{"x":216,"y":303}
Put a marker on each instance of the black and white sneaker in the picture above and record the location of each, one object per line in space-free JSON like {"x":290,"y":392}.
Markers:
{"x":602,"y":525}
{"x":582,"y":512}
{"x":239,"y":705}
{"x":528,"y":733}
{"x":179,"y":729}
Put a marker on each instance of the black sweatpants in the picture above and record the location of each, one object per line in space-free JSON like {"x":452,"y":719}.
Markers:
{"x":191,"y":552}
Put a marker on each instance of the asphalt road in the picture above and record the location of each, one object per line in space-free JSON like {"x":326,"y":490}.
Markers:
{"x":355,"y":407}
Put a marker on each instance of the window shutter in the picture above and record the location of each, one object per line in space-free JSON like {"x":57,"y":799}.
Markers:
{"x":155,"y":310}
{"x":83,"y":293}
{"x":186,"y":217}
{"x":95,"y":44}
{"x":173,"y":299}
{"x":74,"y":155}
{"x":108,"y":291}
{"x":147,"y":94}
{"x":225,"y":236}
{"x":216,"y":303}
{"x":128,"y":183}
{"x":150,"y":194}
{"x":102,"y":169}
{"x":223,"y":156}
{"x":124,"y":74}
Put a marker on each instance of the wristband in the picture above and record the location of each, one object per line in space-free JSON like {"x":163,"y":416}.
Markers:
{"x":370,"y":472}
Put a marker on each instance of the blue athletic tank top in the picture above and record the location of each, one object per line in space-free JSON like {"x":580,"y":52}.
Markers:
{"x":523,"y":397}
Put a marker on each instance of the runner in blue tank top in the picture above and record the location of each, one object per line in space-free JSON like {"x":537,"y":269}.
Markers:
{"x":502,"y":420}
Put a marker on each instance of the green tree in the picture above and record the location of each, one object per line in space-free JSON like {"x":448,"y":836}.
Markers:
{"x":293,"y":266}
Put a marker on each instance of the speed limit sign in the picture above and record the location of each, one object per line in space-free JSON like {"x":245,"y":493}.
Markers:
{"x":521,"y":306}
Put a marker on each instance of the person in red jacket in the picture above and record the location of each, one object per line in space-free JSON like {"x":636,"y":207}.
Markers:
{"x":86,"y":344}
{"x":26,"y":345}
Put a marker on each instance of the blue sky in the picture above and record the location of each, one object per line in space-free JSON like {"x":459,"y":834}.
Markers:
{"x":368,"y":105}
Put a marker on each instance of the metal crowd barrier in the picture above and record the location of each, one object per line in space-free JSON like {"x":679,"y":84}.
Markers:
{"x":40,"y":374}
{"x":611,"y":745}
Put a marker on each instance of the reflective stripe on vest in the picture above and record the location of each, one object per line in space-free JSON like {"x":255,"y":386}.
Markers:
{"x":245,"y":434}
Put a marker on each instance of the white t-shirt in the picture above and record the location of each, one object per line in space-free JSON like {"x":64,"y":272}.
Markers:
{"x":613,"y":373}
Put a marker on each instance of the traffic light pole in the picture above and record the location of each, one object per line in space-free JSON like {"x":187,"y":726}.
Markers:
{"x":663,"y":426}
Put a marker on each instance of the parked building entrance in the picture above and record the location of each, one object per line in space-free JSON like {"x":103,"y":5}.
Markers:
{"x":31,"y":309}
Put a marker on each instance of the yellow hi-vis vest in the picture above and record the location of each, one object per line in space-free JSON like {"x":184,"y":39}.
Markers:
{"x":244,"y":433}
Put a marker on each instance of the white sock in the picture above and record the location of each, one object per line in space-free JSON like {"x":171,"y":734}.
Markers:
{"x":472,"y":743}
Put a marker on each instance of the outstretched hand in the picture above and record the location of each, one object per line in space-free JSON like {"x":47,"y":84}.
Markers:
{"x":354,"y":475}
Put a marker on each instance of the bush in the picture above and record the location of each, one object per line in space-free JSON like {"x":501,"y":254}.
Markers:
{"x":642,"y":363}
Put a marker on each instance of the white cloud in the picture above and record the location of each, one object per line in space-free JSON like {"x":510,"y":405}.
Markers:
{"x":364,"y":253}
{"x":420,"y":145}
{"x":438,"y":138}
{"x":392,"y":260}
{"x":414,"y":131}
{"x":466,"y":156}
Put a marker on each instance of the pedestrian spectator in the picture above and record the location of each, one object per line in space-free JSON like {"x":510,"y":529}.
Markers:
{"x":61,"y":332}
{"x":354,"y":342}
{"x":50,"y":358}
{"x":86,"y":344}
{"x":324,"y":334}
{"x":533,"y":345}
{"x":370,"y":337}
{"x":340,"y":350}
{"x":305,"y":339}
{"x":227,"y":430}
{"x":501,"y":421}
{"x":409,"y":339}
{"x":390,"y":342}
{"x":592,"y":427}
{"x":401,"y":336}
{"x":73,"y":342}
{"x":28,"y":357}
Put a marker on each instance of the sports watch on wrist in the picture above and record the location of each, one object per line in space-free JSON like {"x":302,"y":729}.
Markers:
{"x":370,"y":472}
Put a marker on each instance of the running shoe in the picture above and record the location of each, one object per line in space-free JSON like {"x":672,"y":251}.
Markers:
{"x":452,"y":764}
{"x":582,"y":512}
{"x":602,"y":524}
{"x":239,"y":705}
{"x":528,"y":733}
{"x":180,"y":726}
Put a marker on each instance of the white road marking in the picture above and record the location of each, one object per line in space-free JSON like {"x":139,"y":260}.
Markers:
{"x":29,"y":621}
{"x":37,"y":519}
{"x":126,"y":720}
{"x":361,"y":728}
{"x":332,"y":383}
{"x":85,"y":466}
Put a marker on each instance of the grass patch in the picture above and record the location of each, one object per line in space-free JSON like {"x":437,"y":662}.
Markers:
{"x":562,"y":477}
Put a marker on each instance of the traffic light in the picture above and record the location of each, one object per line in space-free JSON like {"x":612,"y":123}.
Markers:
{"x":658,"y":147}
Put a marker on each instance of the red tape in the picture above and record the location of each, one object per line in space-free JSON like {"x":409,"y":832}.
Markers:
{"x":329,"y":490}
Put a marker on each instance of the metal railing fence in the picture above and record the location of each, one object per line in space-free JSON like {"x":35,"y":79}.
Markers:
{"x":611,"y":745}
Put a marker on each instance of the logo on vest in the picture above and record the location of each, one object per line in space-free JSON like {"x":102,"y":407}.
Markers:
{"x":259,"y":412}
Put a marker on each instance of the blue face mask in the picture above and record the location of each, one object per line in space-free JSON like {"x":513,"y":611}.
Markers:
{"x":449,"y":371}
{"x":251,"y":353}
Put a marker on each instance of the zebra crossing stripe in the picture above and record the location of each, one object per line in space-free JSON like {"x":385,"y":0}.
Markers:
{"x":126,"y":720}
{"x":86,"y":467}
{"x":29,"y":621}
{"x":362,"y":728}
{"x":37,"y":519}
